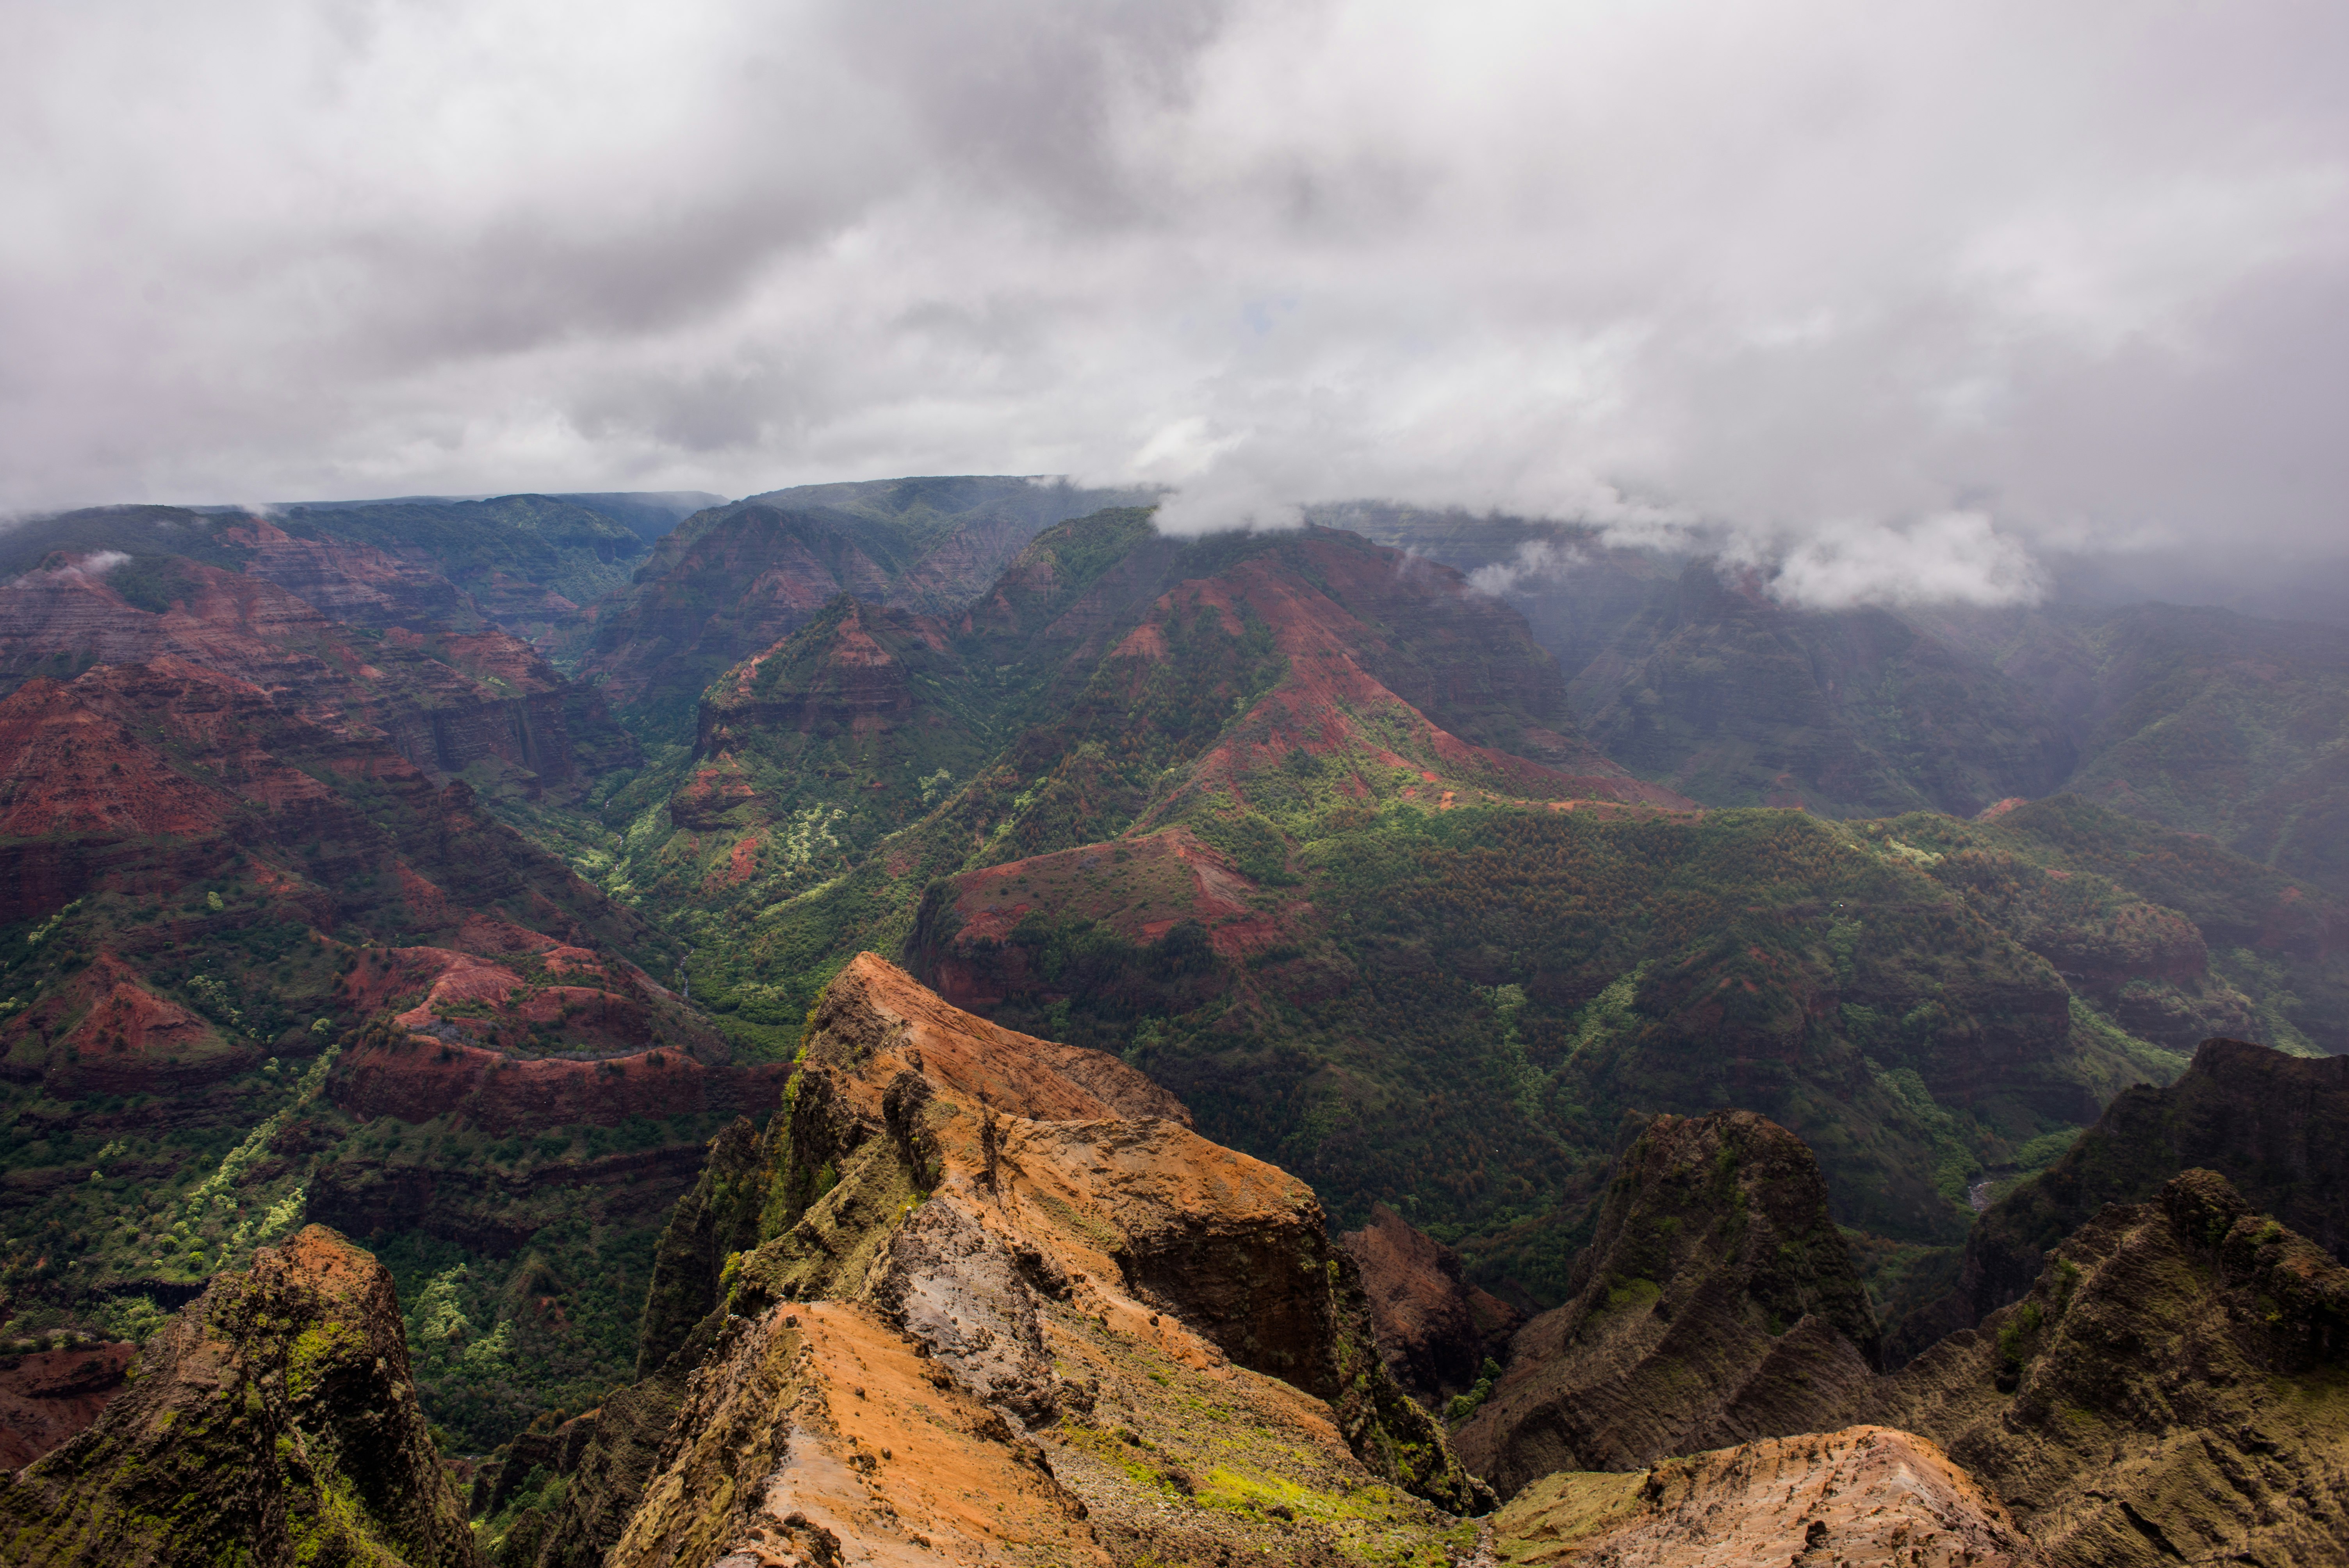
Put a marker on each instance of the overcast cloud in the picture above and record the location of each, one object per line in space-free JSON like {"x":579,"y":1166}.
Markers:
{"x":1896,"y":297}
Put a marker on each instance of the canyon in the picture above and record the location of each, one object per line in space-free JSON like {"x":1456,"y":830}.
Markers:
{"x":797,"y":1016}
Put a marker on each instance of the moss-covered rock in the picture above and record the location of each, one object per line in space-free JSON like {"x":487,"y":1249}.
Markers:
{"x":989,"y":1261}
{"x":272,"y":1422}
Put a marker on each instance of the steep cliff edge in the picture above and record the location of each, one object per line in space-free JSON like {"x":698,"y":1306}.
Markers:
{"x":1434,"y":1329}
{"x":273,"y":1421}
{"x":2170,"y":1390}
{"x":989,"y":1263}
{"x":48,"y":1396}
{"x":1717,"y":1303}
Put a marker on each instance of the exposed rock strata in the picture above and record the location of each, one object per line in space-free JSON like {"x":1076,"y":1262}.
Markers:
{"x":1434,"y":1329}
{"x":1866,"y":1497}
{"x":1716,"y":1303}
{"x":273,"y":1422}
{"x":444,"y":699}
{"x":48,"y":1396}
{"x":862,"y":699}
{"x":999,"y":1265}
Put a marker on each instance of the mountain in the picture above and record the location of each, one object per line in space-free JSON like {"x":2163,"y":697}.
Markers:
{"x":259,"y":965}
{"x":1690,"y":674}
{"x":2169,"y":1391}
{"x":734,"y":580}
{"x":2198,"y":717}
{"x":448,"y":701}
{"x":986,"y":1297}
{"x":2166,"y":1391}
{"x":1437,"y":1333}
{"x":2268,"y":1122}
{"x":1716,"y":1303}
{"x":524,"y":563}
{"x":273,"y":1421}
{"x":1862,"y":1495}
{"x":2218,"y":723}
{"x":1304,"y":827}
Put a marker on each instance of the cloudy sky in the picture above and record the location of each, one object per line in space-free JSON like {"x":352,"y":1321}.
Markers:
{"x":1906,"y":298}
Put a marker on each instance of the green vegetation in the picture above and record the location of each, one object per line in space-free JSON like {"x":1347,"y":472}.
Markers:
{"x":1460,"y":1005}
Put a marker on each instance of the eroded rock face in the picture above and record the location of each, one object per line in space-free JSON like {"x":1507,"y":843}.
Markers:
{"x":2169,"y":1391}
{"x":48,"y":1396}
{"x":987,"y":1263}
{"x":1434,"y":1329}
{"x":1866,"y":1497}
{"x":1716,"y":1303}
{"x":273,"y":1422}
{"x":2270,"y":1123}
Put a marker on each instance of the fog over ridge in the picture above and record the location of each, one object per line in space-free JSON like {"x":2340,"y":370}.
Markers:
{"x":1895,"y":304}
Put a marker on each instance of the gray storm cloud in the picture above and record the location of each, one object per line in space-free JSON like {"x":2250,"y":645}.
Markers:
{"x":1891,"y":298}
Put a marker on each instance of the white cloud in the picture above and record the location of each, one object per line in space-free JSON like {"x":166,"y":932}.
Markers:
{"x":1957,"y":557}
{"x":1535,"y":561}
{"x":1792,"y":277}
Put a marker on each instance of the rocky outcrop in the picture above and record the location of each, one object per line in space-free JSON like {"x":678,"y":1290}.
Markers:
{"x":273,"y":1422}
{"x":2269,"y":1123}
{"x":995,"y":1270}
{"x":2169,"y":1391}
{"x":1434,"y":1330}
{"x":1717,"y":1303}
{"x":47,"y":1396}
{"x":1866,"y":1497}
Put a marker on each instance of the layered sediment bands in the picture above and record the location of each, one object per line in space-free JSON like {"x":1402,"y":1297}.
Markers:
{"x":147,"y":783}
{"x":984,"y":1264}
{"x":1864,"y":1497}
{"x":352,"y":582}
{"x":444,"y":699}
{"x":2270,"y":1123}
{"x":2170,"y":1390}
{"x":1717,"y":1303}
{"x":853,"y":668}
{"x":1434,"y":1329}
{"x":417,"y":1077}
{"x":273,"y":1421}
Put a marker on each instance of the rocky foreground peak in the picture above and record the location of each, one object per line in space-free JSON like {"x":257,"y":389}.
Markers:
{"x":1717,"y":1303}
{"x":273,"y":1421}
{"x":1865,"y":1495}
{"x":978,"y":1296}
